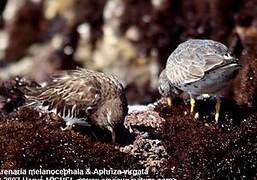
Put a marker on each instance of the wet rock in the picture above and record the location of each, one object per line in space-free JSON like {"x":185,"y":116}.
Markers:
{"x":33,"y":140}
{"x":27,"y":28}
{"x":144,"y":121}
{"x":245,"y":85}
{"x":2,"y":8}
{"x":12,"y":93}
{"x":150,"y":152}
{"x":92,"y":13}
{"x":200,"y":149}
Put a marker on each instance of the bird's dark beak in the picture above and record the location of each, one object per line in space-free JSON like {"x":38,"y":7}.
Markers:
{"x":113,"y":137}
{"x":235,"y":60}
{"x":112,"y":130}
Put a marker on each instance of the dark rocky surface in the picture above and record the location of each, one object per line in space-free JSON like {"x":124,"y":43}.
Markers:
{"x":34,"y":140}
{"x":201,"y":149}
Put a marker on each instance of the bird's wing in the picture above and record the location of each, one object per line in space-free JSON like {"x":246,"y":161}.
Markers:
{"x":190,"y":64}
{"x":68,"y":95}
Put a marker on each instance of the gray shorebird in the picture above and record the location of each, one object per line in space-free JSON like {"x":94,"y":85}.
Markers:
{"x":83,"y":97}
{"x":201,"y":68}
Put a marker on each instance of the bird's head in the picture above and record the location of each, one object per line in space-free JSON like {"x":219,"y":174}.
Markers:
{"x":166,"y":89}
{"x":113,"y":113}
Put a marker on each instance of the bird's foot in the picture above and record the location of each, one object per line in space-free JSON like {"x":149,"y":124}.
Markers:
{"x":217,"y":110}
{"x":196,"y":116}
{"x":192,"y":110}
{"x":217,"y":117}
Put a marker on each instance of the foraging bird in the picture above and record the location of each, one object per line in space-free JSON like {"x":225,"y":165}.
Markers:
{"x":200,"y":68}
{"x":83,"y":97}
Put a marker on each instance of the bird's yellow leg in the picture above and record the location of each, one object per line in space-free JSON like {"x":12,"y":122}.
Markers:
{"x":169,"y":101}
{"x":192,"y":103}
{"x":217,"y":109}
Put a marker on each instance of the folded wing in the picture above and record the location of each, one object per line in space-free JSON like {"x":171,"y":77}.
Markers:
{"x":68,"y":95}
{"x":191,"y":64}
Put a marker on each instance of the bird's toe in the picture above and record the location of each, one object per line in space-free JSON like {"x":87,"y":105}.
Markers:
{"x":196,"y":116}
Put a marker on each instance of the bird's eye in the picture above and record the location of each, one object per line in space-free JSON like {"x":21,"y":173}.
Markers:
{"x":160,"y":89}
{"x":227,"y":56}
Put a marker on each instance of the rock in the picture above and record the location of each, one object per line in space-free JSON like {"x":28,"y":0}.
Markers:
{"x":34,"y":140}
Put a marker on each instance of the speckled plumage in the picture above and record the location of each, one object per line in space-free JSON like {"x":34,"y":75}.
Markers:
{"x":83,"y":97}
{"x":198,"y":67}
